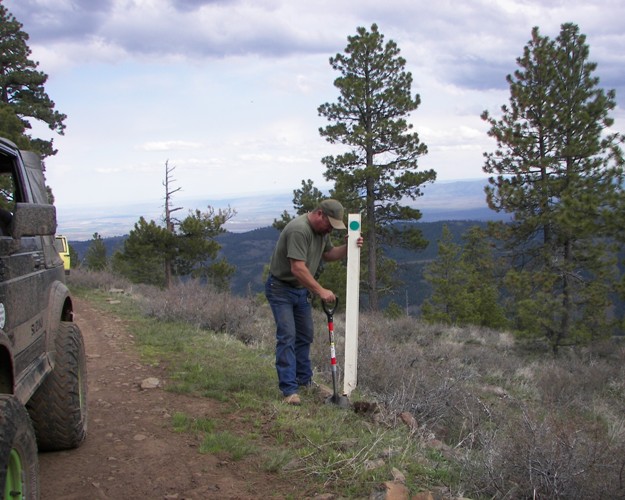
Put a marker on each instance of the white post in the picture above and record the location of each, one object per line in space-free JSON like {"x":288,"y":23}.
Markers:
{"x":352,"y":299}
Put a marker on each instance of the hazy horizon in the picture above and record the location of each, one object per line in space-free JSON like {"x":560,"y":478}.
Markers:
{"x":449,"y":200}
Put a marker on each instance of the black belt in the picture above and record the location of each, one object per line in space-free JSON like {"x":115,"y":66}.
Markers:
{"x":285,"y":283}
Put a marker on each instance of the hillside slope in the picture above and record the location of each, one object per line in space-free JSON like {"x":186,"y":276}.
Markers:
{"x":251,"y":251}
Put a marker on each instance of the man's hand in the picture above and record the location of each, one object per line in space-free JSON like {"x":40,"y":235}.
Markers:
{"x":327,"y":295}
{"x":360,"y":241}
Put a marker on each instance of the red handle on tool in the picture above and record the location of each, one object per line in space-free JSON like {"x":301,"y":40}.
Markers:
{"x":330,"y":314}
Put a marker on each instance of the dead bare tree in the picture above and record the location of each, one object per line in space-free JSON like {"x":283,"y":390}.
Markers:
{"x":169,"y":220}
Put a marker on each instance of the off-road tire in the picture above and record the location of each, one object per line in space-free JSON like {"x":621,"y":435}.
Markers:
{"x":59,"y":407}
{"x":19,"y":466}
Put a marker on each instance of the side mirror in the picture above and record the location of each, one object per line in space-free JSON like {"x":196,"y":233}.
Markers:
{"x":33,"y":220}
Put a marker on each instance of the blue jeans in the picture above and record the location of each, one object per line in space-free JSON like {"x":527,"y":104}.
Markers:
{"x":292,"y":312}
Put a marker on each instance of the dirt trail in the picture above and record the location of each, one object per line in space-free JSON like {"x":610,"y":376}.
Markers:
{"x":131,"y":450}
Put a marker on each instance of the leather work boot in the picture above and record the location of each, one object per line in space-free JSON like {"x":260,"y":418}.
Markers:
{"x":292,"y":399}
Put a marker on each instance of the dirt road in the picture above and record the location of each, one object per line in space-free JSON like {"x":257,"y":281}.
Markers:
{"x":132,"y":450}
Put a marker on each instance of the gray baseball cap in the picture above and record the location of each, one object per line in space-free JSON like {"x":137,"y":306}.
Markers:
{"x":334,"y":210}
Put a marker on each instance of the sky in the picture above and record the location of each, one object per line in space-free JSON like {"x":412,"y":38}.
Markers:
{"x":226,"y":92}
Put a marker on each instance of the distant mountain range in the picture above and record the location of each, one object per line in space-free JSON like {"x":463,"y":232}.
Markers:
{"x":452,"y":200}
{"x":250,"y":251}
{"x":250,"y":239}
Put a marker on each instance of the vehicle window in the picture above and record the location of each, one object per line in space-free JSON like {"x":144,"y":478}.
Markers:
{"x":11,"y":191}
{"x":7,"y":190}
{"x":59,"y":245}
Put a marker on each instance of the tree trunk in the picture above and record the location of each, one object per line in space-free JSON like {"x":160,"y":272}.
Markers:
{"x":567,"y":304}
{"x":372,"y":242}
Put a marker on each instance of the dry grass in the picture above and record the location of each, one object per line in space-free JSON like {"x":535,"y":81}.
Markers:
{"x":516,"y":422}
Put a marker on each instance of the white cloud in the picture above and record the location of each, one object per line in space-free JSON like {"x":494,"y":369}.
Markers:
{"x":110,"y":170}
{"x":169,"y":145}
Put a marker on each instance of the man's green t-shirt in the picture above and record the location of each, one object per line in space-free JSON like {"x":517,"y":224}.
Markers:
{"x":298,"y":241}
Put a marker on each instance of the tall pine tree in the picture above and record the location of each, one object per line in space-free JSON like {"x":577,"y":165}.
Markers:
{"x":559,"y":171}
{"x":22,"y":87}
{"x":379,"y":171}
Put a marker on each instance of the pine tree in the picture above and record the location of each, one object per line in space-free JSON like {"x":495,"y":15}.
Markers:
{"x":305,"y":199}
{"x":144,"y":253}
{"x":379,"y":172}
{"x":483,"y":280}
{"x":447,"y":279}
{"x":559,"y":170}
{"x":197,"y":250}
{"x":22,"y":86}
{"x":95,"y":258}
{"x":73,"y":256}
{"x":464,"y":282}
{"x":191,"y":247}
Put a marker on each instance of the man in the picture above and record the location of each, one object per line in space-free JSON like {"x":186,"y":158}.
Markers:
{"x":303,"y":243}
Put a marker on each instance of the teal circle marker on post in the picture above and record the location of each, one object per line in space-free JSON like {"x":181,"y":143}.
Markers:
{"x":354,"y":225}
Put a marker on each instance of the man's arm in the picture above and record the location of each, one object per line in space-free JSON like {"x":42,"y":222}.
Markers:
{"x":335,"y":253}
{"x":340,"y":252}
{"x":303,"y":275}
{"x":301,"y":272}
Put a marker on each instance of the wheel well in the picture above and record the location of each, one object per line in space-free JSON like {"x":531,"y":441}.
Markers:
{"x":67,"y":314}
{"x":6,"y":372}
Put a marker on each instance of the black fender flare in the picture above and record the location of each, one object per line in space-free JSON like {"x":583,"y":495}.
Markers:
{"x":60,"y":308}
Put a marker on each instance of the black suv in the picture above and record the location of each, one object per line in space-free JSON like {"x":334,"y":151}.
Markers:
{"x":43,"y":383}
